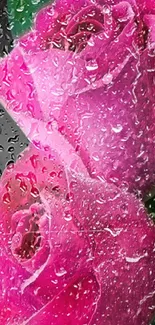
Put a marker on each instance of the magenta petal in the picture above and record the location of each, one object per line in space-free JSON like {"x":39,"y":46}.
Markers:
{"x":63,"y":249}
{"x":115,"y":2}
{"x":14,"y":307}
{"x":93,"y":229}
{"x":70,"y":251}
{"x":76,"y":303}
{"x":99,"y":83}
{"x":36,"y":73}
{"x":150,"y":23}
{"x":73,"y":248}
{"x":30,"y":240}
{"x":123,"y":240}
{"x":47,"y":23}
{"x":146,"y":6}
{"x":70,"y":5}
{"x":143,"y":6}
{"x":20,"y":96}
{"x":112,"y":127}
{"x":92,"y":12}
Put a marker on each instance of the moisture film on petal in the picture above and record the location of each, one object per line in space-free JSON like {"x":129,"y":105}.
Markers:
{"x":76,"y":245}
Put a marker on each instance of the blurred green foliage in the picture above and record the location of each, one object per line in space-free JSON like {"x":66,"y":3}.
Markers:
{"x":150,"y":206}
{"x":21,"y":14}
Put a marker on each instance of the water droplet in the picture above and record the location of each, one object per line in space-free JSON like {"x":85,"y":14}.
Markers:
{"x":136,"y":259}
{"x":35,"y":2}
{"x":107,"y":78}
{"x":36,"y":291}
{"x":60,"y":272}
{"x":11,"y":149}
{"x":34,"y":192}
{"x":55,"y":281}
{"x":51,"y":125}
{"x":106,"y":10}
{"x":6,"y":198}
{"x":69,"y":196}
{"x":73,"y":184}
{"x":114,"y":232}
{"x":30,"y":109}
{"x":10,"y":163}
{"x":91,"y":65}
{"x":20,"y":9}
{"x":91,"y":42}
{"x":53,"y":174}
{"x":34,"y":160}
{"x":67,"y":216}
{"x":44,"y":170}
{"x":118,"y":128}
{"x":56,"y":189}
{"x":1,"y":113}
{"x":1,"y":148}
{"x":14,"y":139}
{"x":60,"y":174}
{"x":95,"y":156}
{"x":23,"y":186}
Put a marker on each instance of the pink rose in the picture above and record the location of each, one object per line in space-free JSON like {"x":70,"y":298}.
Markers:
{"x":88,"y":69}
{"x":73,"y":249}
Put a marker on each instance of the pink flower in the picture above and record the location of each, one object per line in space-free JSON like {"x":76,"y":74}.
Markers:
{"x":89,"y":69}
{"x":74,"y":248}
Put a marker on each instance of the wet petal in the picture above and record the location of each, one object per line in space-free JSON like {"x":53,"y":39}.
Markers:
{"x":111,"y":127}
{"x":122,"y":237}
{"x":75,"y":303}
{"x":93,"y":227}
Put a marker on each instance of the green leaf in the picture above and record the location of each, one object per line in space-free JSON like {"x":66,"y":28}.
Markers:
{"x":153,"y":322}
{"x":21,"y":14}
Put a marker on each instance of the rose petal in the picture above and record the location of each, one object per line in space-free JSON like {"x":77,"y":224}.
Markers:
{"x":13,"y":306}
{"x":93,"y":227}
{"x":75,"y":303}
{"x":123,"y":240}
{"x":64,"y":76}
{"x":110,"y":127}
{"x":50,"y":19}
{"x":64,"y":250}
{"x":21,"y":96}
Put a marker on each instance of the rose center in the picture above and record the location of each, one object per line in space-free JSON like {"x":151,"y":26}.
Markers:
{"x":31,"y":239}
{"x":78,"y":38}
{"x":26,"y":240}
{"x":74,"y":35}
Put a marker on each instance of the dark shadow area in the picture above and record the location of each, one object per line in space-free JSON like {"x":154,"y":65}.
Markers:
{"x":6,"y":40}
{"x":12,"y":139}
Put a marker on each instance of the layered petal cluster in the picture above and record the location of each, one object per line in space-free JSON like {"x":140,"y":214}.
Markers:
{"x":81,"y":249}
{"x":89,"y":69}
{"x":75,"y":244}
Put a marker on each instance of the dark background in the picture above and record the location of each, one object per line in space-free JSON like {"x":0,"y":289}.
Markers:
{"x":12,"y":139}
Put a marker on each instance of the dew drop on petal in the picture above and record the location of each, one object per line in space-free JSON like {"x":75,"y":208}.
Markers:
{"x":6,"y":198}
{"x":34,"y":192}
{"x":118,"y":128}
{"x":107,"y":78}
{"x":95,"y":156}
{"x":60,"y":272}
{"x":67,"y":216}
{"x":91,"y":65}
